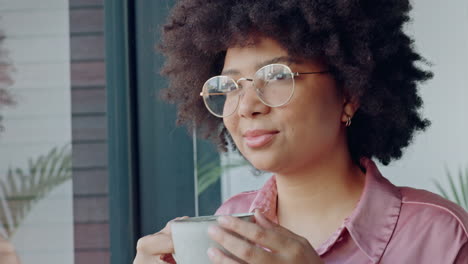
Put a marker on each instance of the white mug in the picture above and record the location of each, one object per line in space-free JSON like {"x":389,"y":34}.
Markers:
{"x":191,"y":240}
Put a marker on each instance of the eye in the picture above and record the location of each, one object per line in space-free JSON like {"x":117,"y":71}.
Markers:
{"x":277,"y":76}
{"x":228,"y":87}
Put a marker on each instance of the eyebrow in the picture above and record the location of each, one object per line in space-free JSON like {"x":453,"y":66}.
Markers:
{"x":284,"y":59}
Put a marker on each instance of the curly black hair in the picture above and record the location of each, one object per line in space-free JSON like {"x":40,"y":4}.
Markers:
{"x":362,"y":41}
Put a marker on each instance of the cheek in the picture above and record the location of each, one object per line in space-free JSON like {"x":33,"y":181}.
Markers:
{"x":324,"y":102}
{"x":231,"y":124}
{"x":228,"y":124}
{"x":314,"y":114}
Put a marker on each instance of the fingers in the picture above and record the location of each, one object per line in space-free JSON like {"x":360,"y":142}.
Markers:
{"x":237,"y":246}
{"x":218,"y":257}
{"x":7,"y":253}
{"x":158,"y":243}
{"x":6,"y":248}
{"x":266,"y":223}
{"x":267,"y":237}
{"x":167,"y":229}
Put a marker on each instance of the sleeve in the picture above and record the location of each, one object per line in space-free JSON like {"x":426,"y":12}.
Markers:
{"x":462,"y":257}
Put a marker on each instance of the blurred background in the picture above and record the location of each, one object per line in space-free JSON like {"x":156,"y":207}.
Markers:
{"x":91,"y":159}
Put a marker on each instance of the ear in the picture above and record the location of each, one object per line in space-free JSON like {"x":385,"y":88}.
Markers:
{"x":350,"y":106}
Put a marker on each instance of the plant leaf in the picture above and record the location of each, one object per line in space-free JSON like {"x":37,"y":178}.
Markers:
{"x":208,"y":179}
{"x":466,"y":184}
{"x":441,"y":189}
{"x":462,"y":187}
{"x":41,"y":177}
{"x":452,"y":187}
{"x":32,"y":176}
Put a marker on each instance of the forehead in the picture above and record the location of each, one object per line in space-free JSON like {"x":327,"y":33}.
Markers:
{"x":248,"y":57}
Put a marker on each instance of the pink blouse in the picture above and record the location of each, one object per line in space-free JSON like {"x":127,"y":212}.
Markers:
{"x":389,"y":225}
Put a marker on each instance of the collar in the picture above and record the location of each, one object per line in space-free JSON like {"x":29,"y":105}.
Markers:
{"x":370,"y":225}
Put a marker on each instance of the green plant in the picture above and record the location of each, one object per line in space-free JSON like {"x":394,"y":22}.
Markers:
{"x":22,"y":189}
{"x":210,"y":170}
{"x":458,"y":188}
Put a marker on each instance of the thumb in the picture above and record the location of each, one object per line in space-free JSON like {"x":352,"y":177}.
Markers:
{"x":262,"y":220}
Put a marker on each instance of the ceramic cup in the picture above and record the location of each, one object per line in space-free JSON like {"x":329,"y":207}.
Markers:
{"x":191,"y":240}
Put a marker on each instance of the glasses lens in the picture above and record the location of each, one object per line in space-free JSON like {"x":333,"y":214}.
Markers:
{"x":275,"y":84}
{"x":220,"y":94}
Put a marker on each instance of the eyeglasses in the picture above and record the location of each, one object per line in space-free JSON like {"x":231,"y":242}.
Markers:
{"x":273,"y":83}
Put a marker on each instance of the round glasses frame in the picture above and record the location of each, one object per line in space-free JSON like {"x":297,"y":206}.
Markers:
{"x":205,"y":94}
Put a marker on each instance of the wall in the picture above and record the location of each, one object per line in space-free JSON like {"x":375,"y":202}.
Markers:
{"x":89,"y":132}
{"x":37,"y":36}
{"x":440,"y":30}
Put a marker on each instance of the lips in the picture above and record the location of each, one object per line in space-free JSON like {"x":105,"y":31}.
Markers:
{"x":259,"y":138}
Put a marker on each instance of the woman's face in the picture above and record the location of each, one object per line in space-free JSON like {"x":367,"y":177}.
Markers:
{"x":287,"y":138}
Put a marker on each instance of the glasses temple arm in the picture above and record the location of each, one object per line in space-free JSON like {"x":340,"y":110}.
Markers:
{"x":316,"y":72}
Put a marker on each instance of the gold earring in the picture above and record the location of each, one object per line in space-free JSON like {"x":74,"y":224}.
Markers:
{"x":348,"y":123}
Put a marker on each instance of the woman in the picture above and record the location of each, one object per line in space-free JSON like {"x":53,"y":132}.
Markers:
{"x":7,"y":252}
{"x":310,"y":91}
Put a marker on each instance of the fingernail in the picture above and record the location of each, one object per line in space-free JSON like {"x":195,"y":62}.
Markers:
{"x":211,"y":253}
{"x":213,"y":230}
{"x":258,"y":213}
{"x":262,"y":217}
{"x":223,"y":220}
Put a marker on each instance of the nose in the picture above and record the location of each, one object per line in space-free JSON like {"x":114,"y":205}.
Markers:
{"x":249,"y":104}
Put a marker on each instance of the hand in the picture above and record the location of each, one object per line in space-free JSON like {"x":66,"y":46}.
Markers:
{"x":7,"y":253}
{"x":282,"y":245}
{"x":156,"y":248}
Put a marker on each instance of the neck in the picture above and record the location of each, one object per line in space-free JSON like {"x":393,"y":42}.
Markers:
{"x":325,"y":189}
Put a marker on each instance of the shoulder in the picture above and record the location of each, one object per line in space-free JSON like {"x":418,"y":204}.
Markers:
{"x":239,"y":203}
{"x":429,"y":229}
{"x":429,"y":209}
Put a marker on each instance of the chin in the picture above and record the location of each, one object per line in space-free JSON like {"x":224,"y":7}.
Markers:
{"x":260,"y":162}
